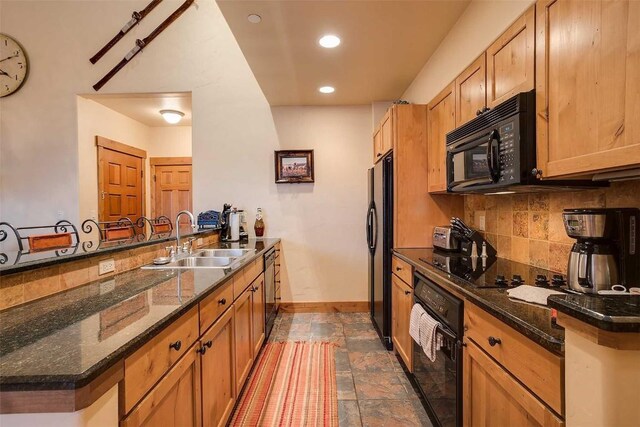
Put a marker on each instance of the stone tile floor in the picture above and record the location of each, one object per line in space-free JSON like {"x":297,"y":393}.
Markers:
{"x":373,"y":390}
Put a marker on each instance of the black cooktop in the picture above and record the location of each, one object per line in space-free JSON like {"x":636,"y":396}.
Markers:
{"x":492,"y":272}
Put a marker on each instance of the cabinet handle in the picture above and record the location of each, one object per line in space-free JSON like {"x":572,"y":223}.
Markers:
{"x":202,"y":350}
{"x":208,"y":344}
{"x":379,"y":154}
{"x":398,"y":268}
{"x":493,"y":341}
{"x":407,"y":292}
{"x":176,"y":345}
{"x":223,"y":301}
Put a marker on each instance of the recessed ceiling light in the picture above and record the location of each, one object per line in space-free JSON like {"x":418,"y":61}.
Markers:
{"x":172,"y":116}
{"x":326,"y":89}
{"x":329,"y":41}
{"x":254,"y":19}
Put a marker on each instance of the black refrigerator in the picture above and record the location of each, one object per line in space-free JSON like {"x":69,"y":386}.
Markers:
{"x":380,"y":241}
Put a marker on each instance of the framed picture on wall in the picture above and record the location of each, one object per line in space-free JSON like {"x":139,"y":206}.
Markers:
{"x":294,"y":166}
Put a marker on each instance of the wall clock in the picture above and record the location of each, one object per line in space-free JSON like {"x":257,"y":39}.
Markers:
{"x":13,"y":65}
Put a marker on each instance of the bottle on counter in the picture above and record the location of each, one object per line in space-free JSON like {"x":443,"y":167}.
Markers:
{"x":259,"y":224}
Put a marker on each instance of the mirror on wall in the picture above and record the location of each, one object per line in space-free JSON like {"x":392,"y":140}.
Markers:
{"x":134,"y":176}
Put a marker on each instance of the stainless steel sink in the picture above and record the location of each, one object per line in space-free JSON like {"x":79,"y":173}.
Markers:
{"x":196,"y":262}
{"x":235,"y":253}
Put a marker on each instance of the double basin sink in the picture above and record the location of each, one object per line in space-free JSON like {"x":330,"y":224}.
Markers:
{"x":207,"y":258}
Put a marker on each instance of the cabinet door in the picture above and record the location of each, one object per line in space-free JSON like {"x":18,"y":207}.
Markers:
{"x":471,"y":91}
{"x":243,"y":342}
{"x":386,"y":129}
{"x":440,"y":121}
{"x":258,"y":314}
{"x":587,"y":85}
{"x":377,"y":145}
{"x":218,"y":371}
{"x":175,"y":400}
{"x":510,"y":60}
{"x":401,"y":304}
{"x":491,"y":397}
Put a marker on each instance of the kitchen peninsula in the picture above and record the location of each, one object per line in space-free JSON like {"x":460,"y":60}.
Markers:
{"x":69,"y":351}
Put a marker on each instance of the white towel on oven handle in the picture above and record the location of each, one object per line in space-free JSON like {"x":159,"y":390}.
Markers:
{"x":430,"y":339}
{"x":414,"y":322}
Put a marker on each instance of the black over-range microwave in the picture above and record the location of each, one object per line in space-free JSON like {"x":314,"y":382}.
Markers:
{"x":496,"y":152}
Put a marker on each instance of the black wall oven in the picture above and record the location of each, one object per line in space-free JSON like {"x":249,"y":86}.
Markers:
{"x":440,"y":382}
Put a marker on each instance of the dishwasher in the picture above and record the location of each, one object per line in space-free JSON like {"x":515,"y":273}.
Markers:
{"x":271,"y":306}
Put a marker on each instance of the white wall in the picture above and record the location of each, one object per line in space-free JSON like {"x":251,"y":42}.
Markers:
{"x":478,"y":26}
{"x":96,"y":119}
{"x":234,"y":133}
{"x":170,"y":141}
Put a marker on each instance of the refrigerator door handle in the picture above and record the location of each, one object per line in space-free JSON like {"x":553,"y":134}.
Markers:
{"x":369,"y":227}
{"x":375,"y":228}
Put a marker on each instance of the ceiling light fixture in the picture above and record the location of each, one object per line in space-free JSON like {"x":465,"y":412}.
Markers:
{"x":254,"y":19}
{"x":172,"y":116}
{"x":326,"y":89}
{"x":329,"y":41}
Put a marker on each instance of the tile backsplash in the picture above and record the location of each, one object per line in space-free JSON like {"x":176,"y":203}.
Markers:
{"x":528,"y":228}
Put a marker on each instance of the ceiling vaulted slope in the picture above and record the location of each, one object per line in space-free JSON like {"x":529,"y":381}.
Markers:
{"x":384,"y":46}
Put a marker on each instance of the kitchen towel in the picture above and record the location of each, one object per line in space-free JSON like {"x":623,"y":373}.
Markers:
{"x":414,"y":322}
{"x":428,"y":336}
{"x":532,"y":294}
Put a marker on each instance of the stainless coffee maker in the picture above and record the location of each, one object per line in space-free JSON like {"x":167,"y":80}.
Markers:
{"x":605,"y":253}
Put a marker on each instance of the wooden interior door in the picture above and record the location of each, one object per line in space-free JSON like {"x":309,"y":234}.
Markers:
{"x":172,"y":186}
{"x":120,"y":181}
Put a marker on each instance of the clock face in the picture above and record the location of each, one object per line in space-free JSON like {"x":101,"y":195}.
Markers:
{"x":13,"y":65}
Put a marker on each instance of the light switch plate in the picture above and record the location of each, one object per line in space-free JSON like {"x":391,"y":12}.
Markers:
{"x":106,"y":266}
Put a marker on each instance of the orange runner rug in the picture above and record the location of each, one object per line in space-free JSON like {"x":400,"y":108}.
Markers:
{"x":293,"y":384}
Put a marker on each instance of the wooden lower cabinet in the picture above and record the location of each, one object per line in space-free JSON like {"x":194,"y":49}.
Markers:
{"x":218,"y":372}
{"x":258,"y":313}
{"x":175,"y":400}
{"x":401,"y":304}
{"x":243,"y":313}
{"x":492,"y":397}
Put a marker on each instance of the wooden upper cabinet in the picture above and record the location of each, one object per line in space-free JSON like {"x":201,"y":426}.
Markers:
{"x":510,"y":60}
{"x":386,"y":129}
{"x":587,"y":86}
{"x":471,"y":91}
{"x":383,"y":136}
{"x":377,"y":145}
{"x":440,"y":121}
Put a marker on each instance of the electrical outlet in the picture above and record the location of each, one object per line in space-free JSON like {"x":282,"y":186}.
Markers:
{"x":481,"y":220}
{"x":106,"y":266}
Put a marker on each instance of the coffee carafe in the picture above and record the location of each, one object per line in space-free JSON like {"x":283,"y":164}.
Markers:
{"x":605,"y":252}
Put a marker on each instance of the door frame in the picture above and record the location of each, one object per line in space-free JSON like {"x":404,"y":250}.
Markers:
{"x":166,"y":161}
{"x":102,"y":144}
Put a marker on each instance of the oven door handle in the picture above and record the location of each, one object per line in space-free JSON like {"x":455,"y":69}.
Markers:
{"x":494,"y":169}
{"x":458,"y":147}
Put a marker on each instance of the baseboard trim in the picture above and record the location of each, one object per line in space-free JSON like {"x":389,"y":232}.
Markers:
{"x":325,"y":307}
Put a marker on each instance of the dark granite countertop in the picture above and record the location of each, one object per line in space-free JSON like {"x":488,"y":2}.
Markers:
{"x":531,"y":320}
{"x":16,"y":262}
{"x":66,"y":340}
{"x":619,"y":313}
